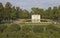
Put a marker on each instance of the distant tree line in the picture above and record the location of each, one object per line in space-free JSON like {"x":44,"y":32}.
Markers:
{"x":9,"y":12}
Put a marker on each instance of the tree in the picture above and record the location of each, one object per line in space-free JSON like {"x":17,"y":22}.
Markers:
{"x":55,"y":13}
{"x":17,"y":12}
{"x":59,"y":13}
{"x":1,"y":12}
{"x":24,"y":14}
{"x":7,"y":11}
{"x":13,"y":13}
{"x":37,"y":11}
{"x":49,"y":13}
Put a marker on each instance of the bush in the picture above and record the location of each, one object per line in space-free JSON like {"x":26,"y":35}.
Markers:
{"x":26,"y":28}
{"x":2,"y":27}
{"x":13,"y":27}
{"x":38,"y":29}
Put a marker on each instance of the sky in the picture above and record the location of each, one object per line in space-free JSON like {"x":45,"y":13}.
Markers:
{"x":28,"y":4}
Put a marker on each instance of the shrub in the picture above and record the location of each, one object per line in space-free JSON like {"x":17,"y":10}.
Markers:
{"x":2,"y":27}
{"x":13,"y":27}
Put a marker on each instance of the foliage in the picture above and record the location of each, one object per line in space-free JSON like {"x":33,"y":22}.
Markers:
{"x":2,"y":28}
{"x":12,"y":28}
{"x":10,"y":12}
{"x":26,"y":31}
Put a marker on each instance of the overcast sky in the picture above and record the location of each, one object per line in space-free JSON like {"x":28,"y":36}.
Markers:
{"x":28,"y":4}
